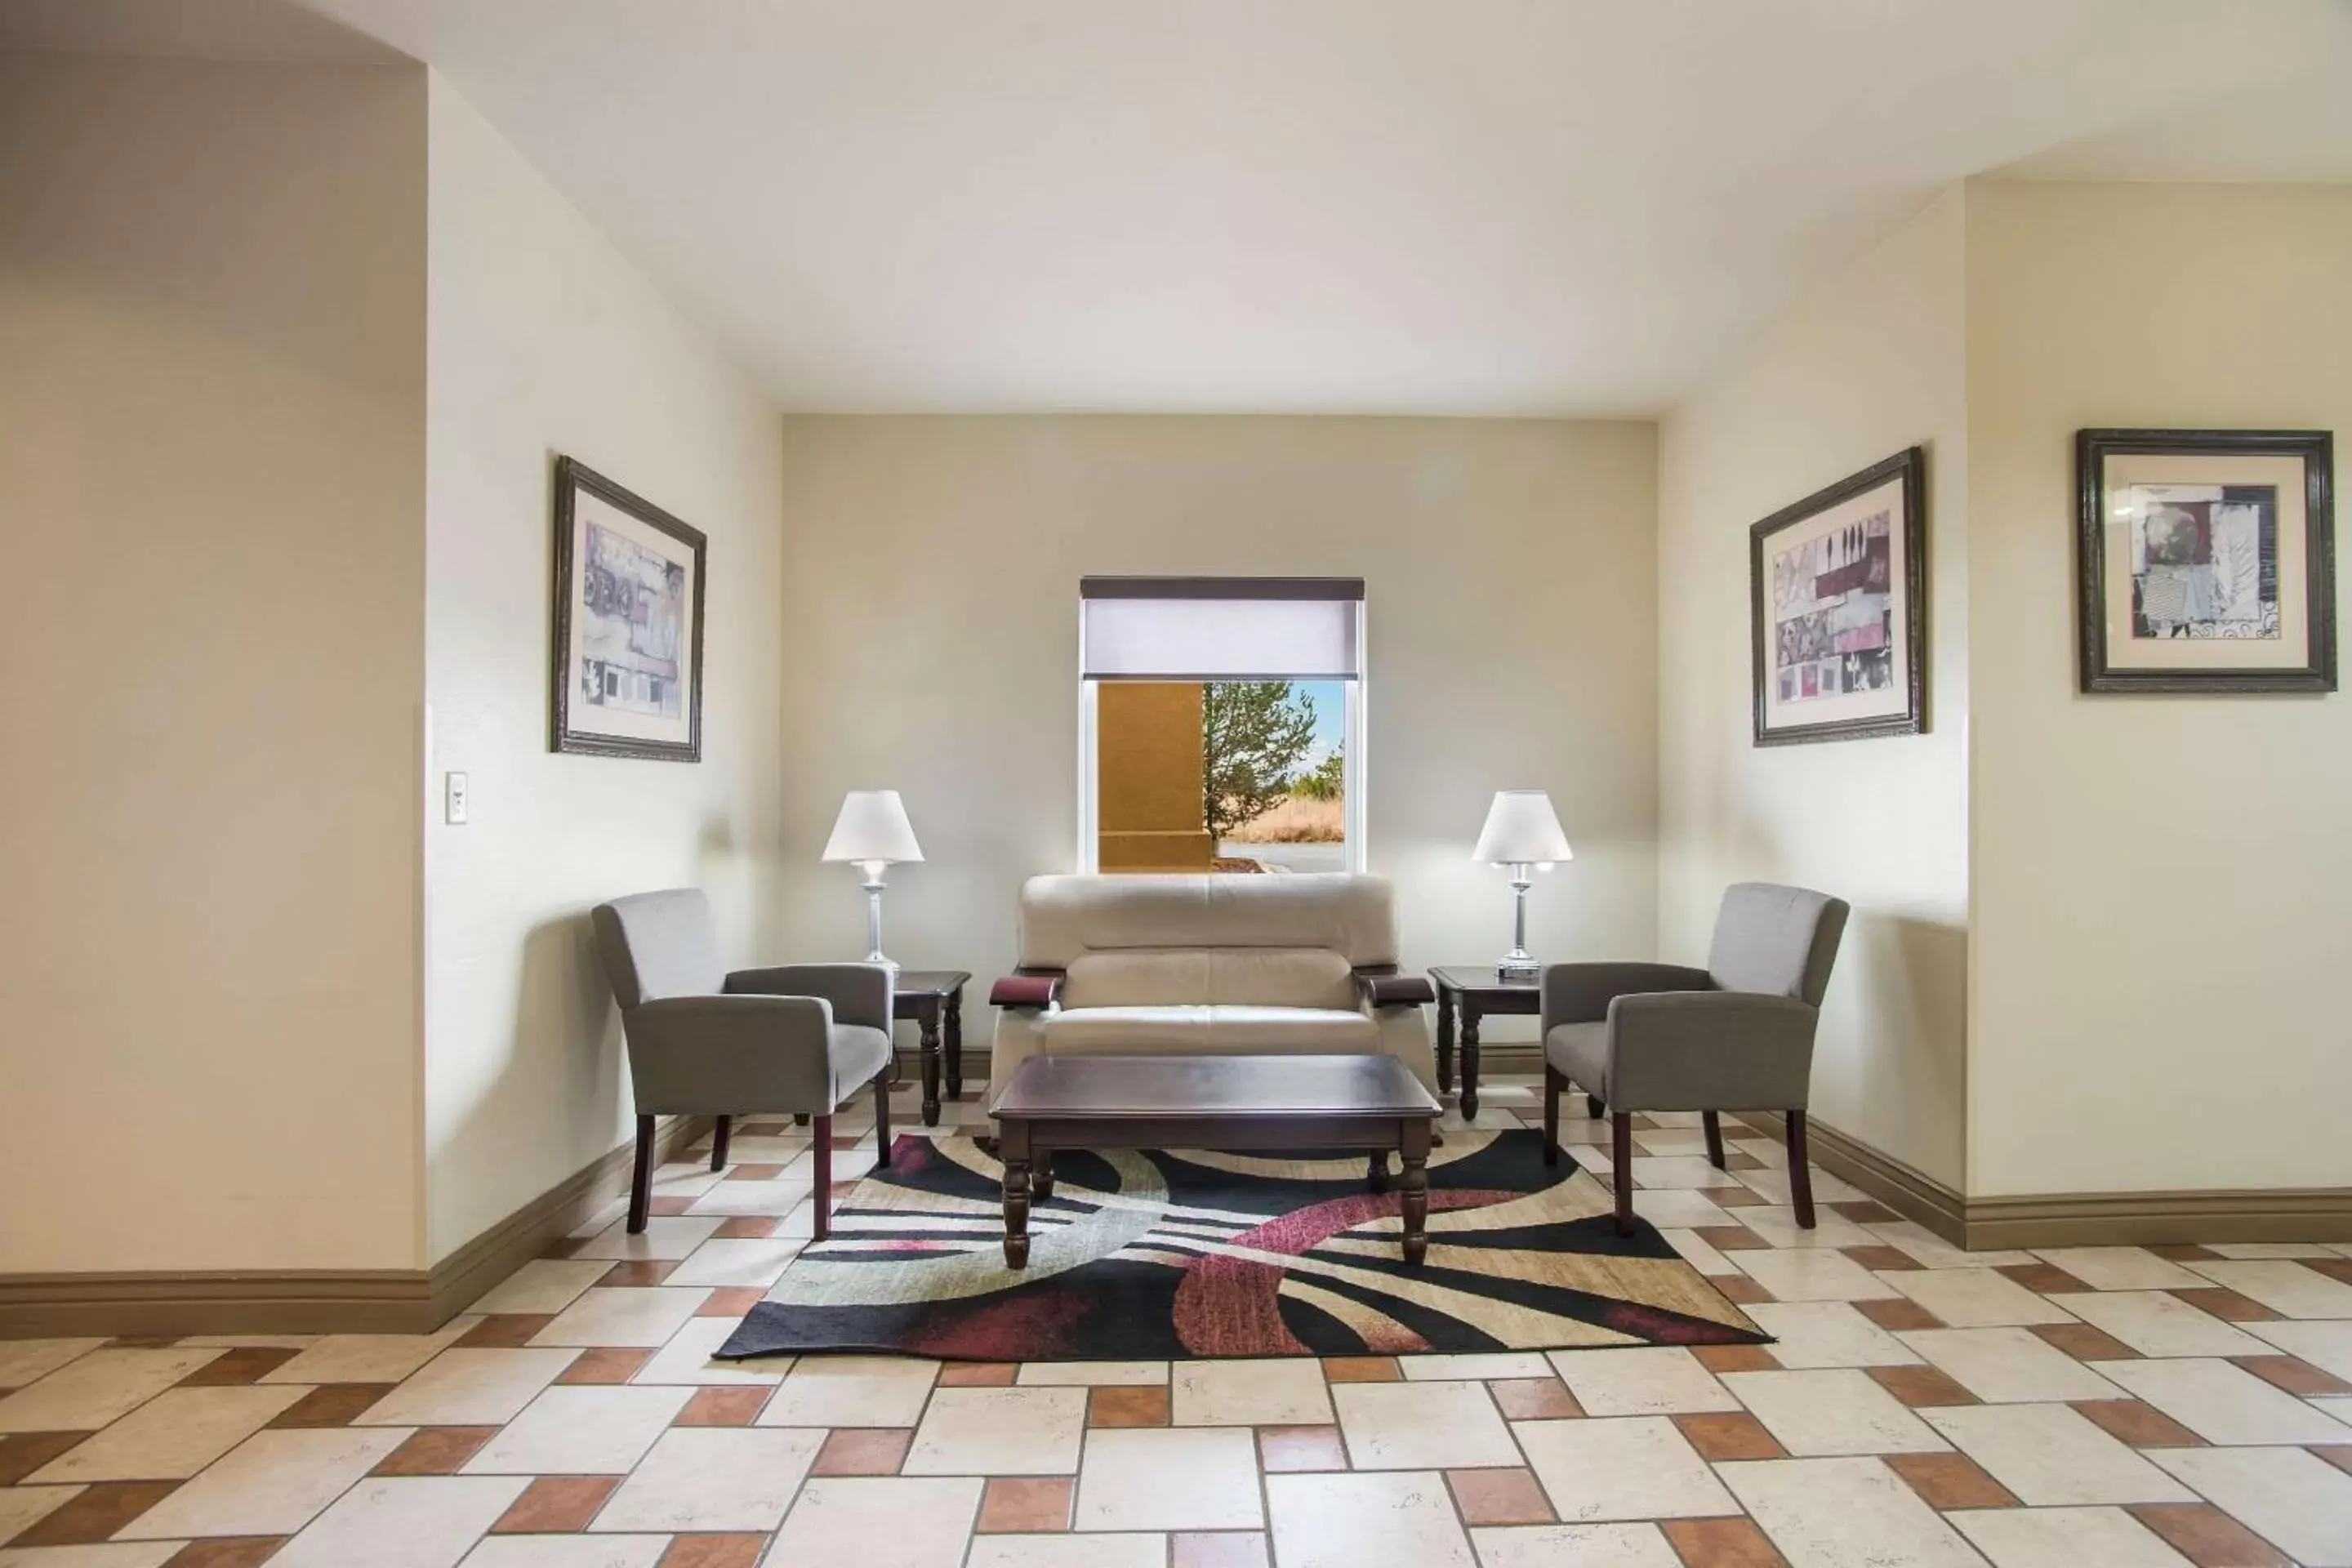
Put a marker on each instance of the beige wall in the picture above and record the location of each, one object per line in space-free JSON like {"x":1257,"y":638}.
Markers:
{"x":2163,"y":884}
{"x":544,"y":340}
{"x":1869,"y":363}
{"x":212,"y":430}
{"x":930,"y":646}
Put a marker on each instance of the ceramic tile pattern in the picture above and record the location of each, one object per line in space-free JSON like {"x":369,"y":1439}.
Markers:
{"x":2077,"y":1408}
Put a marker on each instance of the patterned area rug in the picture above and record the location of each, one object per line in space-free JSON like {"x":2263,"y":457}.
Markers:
{"x":1152,"y":1256}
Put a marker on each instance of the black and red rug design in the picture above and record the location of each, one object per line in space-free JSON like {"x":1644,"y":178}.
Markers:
{"x":1151,"y":1256}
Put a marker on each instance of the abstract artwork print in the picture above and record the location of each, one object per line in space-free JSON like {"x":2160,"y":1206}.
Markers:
{"x":1834,"y":613}
{"x":628,"y":659}
{"x":633,"y":602}
{"x":2204,"y":560}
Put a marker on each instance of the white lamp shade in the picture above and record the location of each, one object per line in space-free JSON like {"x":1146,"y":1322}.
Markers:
{"x":872,"y":825}
{"x":1521,"y":827}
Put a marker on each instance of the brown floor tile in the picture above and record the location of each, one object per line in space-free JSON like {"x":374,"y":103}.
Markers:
{"x":433,"y":1451}
{"x":1286,"y":1448}
{"x":2341,"y":1457}
{"x":2141,"y":1426}
{"x":1219,"y":1549}
{"x":1144,"y":1404}
{"x":668,"y":1207}
{"x":1738,"y":1289}
{"x":2046,"y":1279}
{"x":2228,"y":1305}
{"x":1534,"y":1399}
{"x":2297,"y":1377}
{"x":1025,"y":1505}
{"x":1735,"y":1198}
{"x":1898,"y":1316}
{"x":2184,"y":1252}
{"x":1735,"y":1160}
{"x":863,"y":1451}
{"x":2084,"y":1342}
{"x":96,"y":1513}
{"x":1362,"y":1369}
{"x":605,"y":1363}
{"x":1950,"y":1481}
{"x":748,"y":1228}
{"x":556,"y":1505}
{"x":2334,"y":1267}
{"x":1731,"y":1238}
{"x":1500,"y":1497}
{"x":1735,"y":1358}
{"x":22,"y":1453}
{"x":735,"y":1406}
{"x":640,"y":1271}
{"x":1919,"y":1386}
{"x":715,"y":1551}
{"x":1881,"y":1257}
{"x":142,"y":1341}
{"x":564,"y":1246}
{"x":1729,"y":1435}
{"x":2207,"y":1536}
{"x":244,"y":1363}
{"x":979,"y":1375}
{"x":229,"y":1552}
{"x":730,"y":1301}
{"x":1721,"y":1544}
{"x":331,"y":1405}
{"x":761,"y":1172}
{"x":1862,"y":1211}
{"x":505,"y":1331}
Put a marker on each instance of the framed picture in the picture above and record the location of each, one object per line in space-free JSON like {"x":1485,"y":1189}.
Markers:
{"x":1838,"y":590}
{"x":2205,"y":560}
{"x":628,"y":665}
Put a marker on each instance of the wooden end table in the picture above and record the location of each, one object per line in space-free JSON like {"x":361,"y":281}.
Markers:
{"x":1474,"y":991}
{"x":1229,"y":1103}
{"x":933,"y":998}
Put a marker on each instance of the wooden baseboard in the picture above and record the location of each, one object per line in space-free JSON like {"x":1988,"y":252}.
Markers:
{"x":315,"y":1301}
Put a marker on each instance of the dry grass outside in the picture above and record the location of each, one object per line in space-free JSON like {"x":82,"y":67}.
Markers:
{"x":1297,"y":820}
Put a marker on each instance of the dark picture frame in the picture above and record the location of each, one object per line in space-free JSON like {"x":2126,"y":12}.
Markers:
{"x":642,"y":694}
{"x":2307,"y":603}
{"x":1907,"y":472}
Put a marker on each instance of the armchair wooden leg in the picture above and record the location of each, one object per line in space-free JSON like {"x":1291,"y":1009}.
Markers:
{"x":719,"y":1143}
{"x":1714,"y":1124}
{"x":882,"y":1120}
{"x":1595,"y":1108}
{"x":641,"y":1179}
{"x":821,"y":1152}
{"x":1620,"y":1155}
{"x":1801,"y":1171}
{"x":1553,"y":1084}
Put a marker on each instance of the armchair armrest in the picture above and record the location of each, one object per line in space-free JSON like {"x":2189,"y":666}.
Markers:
{"x":726,"y":1053}
{"x":1580,"y":993}
{"x":1384,"y":987}
{"x":1033,"y":991}
{"x":1710,"y":1050}
{"x":859,"y":993}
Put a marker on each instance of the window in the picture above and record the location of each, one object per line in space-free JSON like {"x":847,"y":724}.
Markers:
{"x":1221,"y":725}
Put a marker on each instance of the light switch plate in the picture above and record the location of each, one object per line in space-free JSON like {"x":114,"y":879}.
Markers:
{"x":456,"y":799}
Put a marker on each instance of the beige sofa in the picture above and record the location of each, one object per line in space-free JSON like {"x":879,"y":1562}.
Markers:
{"x":1237,"y":964}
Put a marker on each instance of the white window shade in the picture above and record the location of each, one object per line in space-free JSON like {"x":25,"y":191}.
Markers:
{"x":1238,"y":629}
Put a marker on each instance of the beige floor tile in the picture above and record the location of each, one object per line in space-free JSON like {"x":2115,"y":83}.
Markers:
{"x":1647,"y":1381}
{"x":998,"y":1432}
{"x":2225,"y":1404}
{"x":171,"y":1437}
{"x":1660,"y":1173}
{"x":777,"y":1150}
{"x":1827,"y":1334}
{"x":1131,"y":1551}
{"x":880,"y":1522}
{"x":1400,"y":1521}
{"x":1932,"y":1251}
{"x":2284,"y":1287}
{"x":1806,"y":1274}
{"x":1422,"y":1425}
{"x":568,"y":1551}
{"x":2119,"y":1267}
{"x":1845,"y":1513}
{"x":580,"y":1431}
{"x":423,"y":1522}
{"x":1832,"y":1413}
{"x":28,"y":1361}
{"x":366,"y":1358}
{"x":1778,"y":1225}
{"x":777,"y":1197}
{"x":1974,"y":1298}
{"x":852,"y":1391}
{"x":2298,"y":1502}
{"x":1574,"y":1546}
{"x":22,"y":1507}
{"x":2050,"y":1456}
{"x":103,"y":1386}
{"x":1698,"y":1252}
{"x":642,"y":1317}
{"x":686,"y":1358}
{"x":1622,"y":1468}
{"x":1684,"y":1208}
{"x":1772,"y":1185}
{"x":665,"y":1236}
{"x":713,"y":1479}
{"x":543,"y":1285}
{"x":2250,"y":1249}
{"x":273,"y":1483}
{"x":119,"y":1554}
{"x":2008,"y":1366}
{"x":1464,"y":1368}
{"x":2324,"y":1344}
{"x":467,"y":1387}
{"x":1169,"y":1478}
{"x":1092,"y":1373}
{"x":737,"y":1260}
{"x":2064,"y":1537}
{"x":2156,"y":1324}
{"x":1284,"y":1392}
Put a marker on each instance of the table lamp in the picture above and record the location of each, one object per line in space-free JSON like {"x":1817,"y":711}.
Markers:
{"x":1522,"y":835}
{"x":873,"y":832}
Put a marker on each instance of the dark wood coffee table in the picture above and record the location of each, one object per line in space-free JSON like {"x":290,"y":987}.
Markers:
{"x":1236,"y":1104}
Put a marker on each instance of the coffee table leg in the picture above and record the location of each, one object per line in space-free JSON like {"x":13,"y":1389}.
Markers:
{"x":1469,"y":1061}
{"x":1013,"y":1147}
{"x":932,"y":1064}
{"x":1041,"y":1175}
{"x":1416,"y":1192}
{"x":1377,"y":1176}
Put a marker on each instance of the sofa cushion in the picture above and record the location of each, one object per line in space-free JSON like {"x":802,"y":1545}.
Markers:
{"x":1210,"y":1030}
{"x":1250,"y":976}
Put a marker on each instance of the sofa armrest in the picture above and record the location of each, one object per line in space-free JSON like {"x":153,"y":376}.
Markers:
{"x":859,"y":993}
{"x":1030,"y":990}
{"x":1580,"y":993}
{"x":1385,"y":987}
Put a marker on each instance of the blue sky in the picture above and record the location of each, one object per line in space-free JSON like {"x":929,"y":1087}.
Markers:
{"x":1330,"y":699}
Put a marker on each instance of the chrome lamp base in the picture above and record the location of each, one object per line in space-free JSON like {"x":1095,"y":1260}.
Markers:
{"x":1519,"y":965}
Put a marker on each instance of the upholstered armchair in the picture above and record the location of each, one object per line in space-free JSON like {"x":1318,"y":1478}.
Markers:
{"x":796,"y":1039}
{"x":1736,"y":1036}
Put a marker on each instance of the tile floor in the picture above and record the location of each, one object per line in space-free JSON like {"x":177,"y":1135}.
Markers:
{"x":2074,"y":1408}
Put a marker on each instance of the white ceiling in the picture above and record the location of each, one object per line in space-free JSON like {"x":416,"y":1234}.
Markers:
{"x":1472,"y":206}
